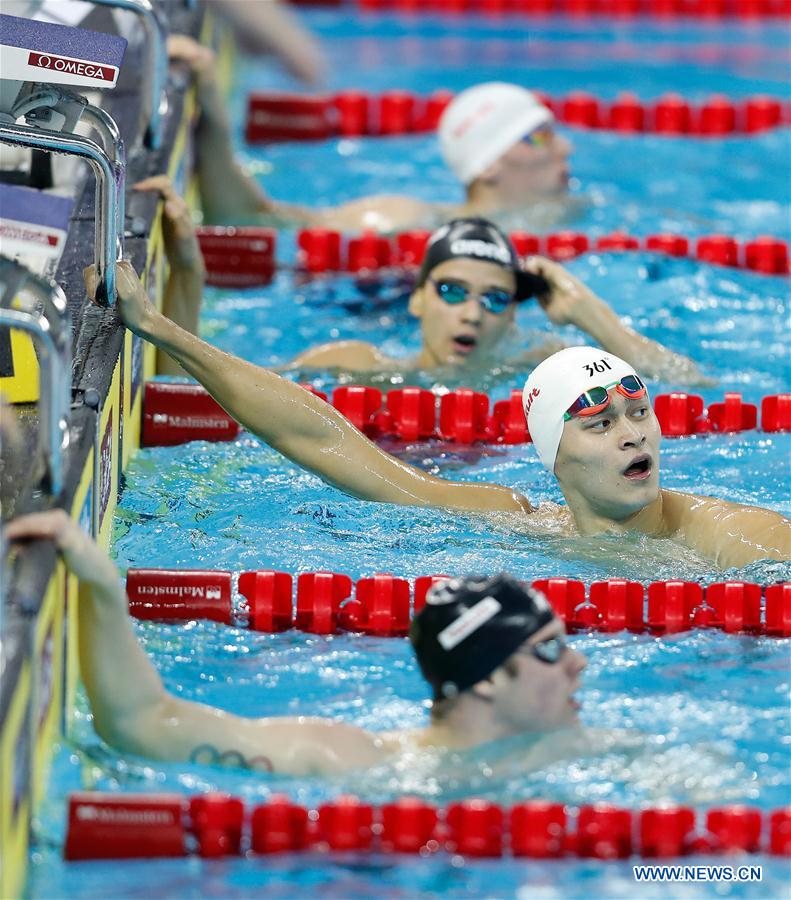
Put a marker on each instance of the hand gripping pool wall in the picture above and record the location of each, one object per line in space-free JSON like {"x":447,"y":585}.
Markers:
{"x":39,"y":648}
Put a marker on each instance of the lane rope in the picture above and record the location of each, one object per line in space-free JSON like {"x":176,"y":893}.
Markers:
{"x":113,"y":825}
{"x":245,"y":256}
{"x":710,"y":10}
{"x":277,"y":116}
{"x":383,"y":605}
{"x":178,"y":413}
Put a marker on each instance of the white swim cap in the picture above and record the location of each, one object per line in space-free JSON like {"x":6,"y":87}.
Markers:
{"x":556,"y":383}
{"x":485,"y":121}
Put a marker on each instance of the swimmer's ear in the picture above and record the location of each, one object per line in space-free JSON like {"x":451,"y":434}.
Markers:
{"x":485,"y":690}
{"x":417,"y":301}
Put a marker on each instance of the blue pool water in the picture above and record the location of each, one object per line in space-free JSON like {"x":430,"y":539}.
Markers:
{"x":709,"y":712}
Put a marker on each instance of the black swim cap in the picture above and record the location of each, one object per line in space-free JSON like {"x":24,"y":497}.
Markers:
{"x":470,"y":626}
{"x":477,"y":238}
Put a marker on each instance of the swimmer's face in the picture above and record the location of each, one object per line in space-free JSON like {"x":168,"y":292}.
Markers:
{"x":462,"y":333}
{"x":529,"y":172}
{"x":609,"y":463}
{"x":539,"y":696}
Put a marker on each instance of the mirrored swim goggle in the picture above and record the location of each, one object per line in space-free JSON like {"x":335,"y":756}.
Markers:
{"x":495,"y":300}
{"x":596,"y":399}
{"x":547,"y":651}
{"x":540,"y":137}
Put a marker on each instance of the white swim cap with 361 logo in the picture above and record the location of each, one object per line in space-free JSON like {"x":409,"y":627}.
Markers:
{"x":556,"y":383}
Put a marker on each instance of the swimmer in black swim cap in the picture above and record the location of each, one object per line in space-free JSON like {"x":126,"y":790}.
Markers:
{"x":495,"y":641}
{"x":492,"y":651}
{"x":466,"y":294}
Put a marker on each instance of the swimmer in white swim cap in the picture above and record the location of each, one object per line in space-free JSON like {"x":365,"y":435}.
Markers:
{"x":497,"y":138}
{"x":594,"y":425}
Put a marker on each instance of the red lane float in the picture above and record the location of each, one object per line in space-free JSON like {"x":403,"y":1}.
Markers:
{"x":538,"y":830}
{"x":179,"y":413}
{"x":274,"y":116}
{"x":319,"y":597}
{"x":410,"y":414}
{"x":217,"y":824}
{"x":409,"y":825}
{"x":289,"y":117}
{"x":125,"y":826}
{"x":383,"y":604}
{"x":237,"y":256}
{"x":411,"y":247}
{"x":268,"y":595}
{"x":777,"y":614}
{"x":665,"y":833}
{"x":279,"y":826}
{"x":178,"y":594}
{"x":319,"y":250}
{"x":475,"y":828}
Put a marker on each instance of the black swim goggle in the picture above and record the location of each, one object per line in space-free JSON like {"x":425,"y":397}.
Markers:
{"x":547,"y":651}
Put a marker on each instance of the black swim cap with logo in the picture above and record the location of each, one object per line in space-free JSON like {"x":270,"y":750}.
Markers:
{"x":477,"y":238}
{"x":470,"y":626}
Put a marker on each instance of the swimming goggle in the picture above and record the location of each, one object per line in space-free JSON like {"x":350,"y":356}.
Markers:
{"x":540,"y":137}
{"x":547,"y":651}
{"x":596,"y":399}
{"x":495,"y":300}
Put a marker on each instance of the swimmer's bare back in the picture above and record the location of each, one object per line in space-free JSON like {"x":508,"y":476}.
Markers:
{"x":348,"y":356}
{"x":317,"y":437}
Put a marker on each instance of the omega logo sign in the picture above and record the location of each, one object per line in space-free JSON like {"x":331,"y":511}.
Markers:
{"x":71,"y":66}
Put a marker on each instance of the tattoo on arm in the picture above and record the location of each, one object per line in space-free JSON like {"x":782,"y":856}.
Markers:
{"x":209,"y":755}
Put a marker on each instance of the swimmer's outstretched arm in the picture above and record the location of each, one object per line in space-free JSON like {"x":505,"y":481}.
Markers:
{"x":570,"y":302}
{"x":135,"y":714}
{"x":296,"y":423}
{"x":230,"y":196}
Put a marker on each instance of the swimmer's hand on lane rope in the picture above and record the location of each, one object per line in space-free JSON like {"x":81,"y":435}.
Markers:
{"x":568,"y":298}
{"x":80,"y":553}
{"x":135,"y":309}
{"x":181,"y":243}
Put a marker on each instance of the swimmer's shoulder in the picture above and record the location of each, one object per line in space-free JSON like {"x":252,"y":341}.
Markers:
{"x":305,"y":745}
{"x":353,"y":356}
{"x":732,"y":534}
{"x":382,"y":212}
{"x":681,"y":509}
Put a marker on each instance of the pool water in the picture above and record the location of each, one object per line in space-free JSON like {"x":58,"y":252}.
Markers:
{"x":708,"y":713}
{"x":641,"y":183}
